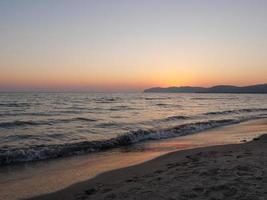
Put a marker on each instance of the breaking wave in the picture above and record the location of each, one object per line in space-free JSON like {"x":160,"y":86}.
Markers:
{"x":42,"y":152}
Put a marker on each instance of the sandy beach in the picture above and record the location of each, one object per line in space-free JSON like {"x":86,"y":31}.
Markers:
{"x":133,"y":100}
{"x":237,"y":171}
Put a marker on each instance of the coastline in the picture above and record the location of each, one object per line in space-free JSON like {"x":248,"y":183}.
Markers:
{"x":235,"y":171}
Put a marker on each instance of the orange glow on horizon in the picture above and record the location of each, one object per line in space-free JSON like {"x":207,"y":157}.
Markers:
{"x":127,"y":83}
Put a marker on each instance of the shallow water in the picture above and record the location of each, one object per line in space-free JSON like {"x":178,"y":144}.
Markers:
{"x":37,"y":126}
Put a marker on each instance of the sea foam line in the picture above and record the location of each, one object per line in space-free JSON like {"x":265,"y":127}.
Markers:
{"x":42,"y":152}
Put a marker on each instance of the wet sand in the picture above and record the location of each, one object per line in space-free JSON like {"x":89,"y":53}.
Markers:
{"x":235,"y":171}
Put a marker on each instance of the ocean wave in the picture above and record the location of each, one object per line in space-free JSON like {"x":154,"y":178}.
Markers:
{"x":107,"y":100}
{"x":214,"y":98}
{"x":19,"y":123}
{"x":84,"y":119}
{"x":164,"y":105}
{"x":74,"y":120}
{"x":5,"y":114}
{"x":156,"y":98}
{"x":176,"y":117}
{"x":17,"y":137}
{"x":107,"y":124}
{"x":236,"y":111}
{"x":15,"y":104}
{"x":42,"y":152}
{"x":76,"y":108}
{"x":120,"y":108}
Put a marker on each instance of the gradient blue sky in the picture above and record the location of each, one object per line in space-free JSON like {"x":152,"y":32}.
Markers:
{"x":128,"y":45}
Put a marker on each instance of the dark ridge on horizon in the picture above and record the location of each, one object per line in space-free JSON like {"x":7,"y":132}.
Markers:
{"x":251,"y":89}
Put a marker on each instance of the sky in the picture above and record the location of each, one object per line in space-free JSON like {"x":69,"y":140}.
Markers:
{"x":130,"y":45}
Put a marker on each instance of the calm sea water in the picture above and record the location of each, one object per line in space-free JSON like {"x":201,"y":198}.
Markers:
{"x":37,"y":126}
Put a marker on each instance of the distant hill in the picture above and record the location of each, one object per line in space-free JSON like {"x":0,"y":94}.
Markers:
{"x":260,"y":89}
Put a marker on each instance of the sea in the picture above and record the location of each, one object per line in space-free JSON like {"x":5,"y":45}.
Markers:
{"x":39,"y":126}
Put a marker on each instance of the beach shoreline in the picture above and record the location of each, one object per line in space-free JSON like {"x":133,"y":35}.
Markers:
{"x":39,"y":178}
{"x":234,"y":171}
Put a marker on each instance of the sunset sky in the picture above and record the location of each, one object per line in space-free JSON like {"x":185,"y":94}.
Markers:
{"x":129,"y":45}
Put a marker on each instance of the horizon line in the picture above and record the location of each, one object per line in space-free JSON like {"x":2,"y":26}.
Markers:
{"x":85,"y":90}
